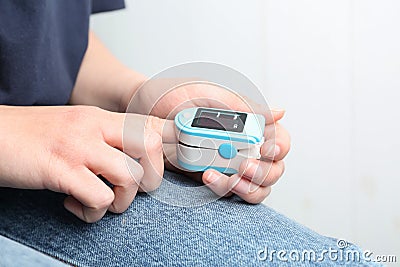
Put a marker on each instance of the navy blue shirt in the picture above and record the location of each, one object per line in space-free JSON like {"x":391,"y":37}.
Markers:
{"x":42,"y":44}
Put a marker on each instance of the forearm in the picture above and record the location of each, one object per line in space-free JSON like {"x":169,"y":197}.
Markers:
{"x":103,"y":80}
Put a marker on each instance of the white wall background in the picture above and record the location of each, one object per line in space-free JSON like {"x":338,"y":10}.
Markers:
{"x":333,"y":64}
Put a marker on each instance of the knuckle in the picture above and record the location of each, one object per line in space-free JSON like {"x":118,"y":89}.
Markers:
{"x":244,"y":165}
{"x":62,"y":152}
{"x":63,"y":144}
{"x":76,"y":113}
{"x":277,"y":170}
{"x":128,"y":182}
{"x":79,"y":114}
{"x":254,"y":198}
{"x":154,"y":124}
{"x":275,"y":173}
{"x":270,"y":179}
{"x":266,"y":180}
{"x":258,"y":196}
{"x":153,"y":142}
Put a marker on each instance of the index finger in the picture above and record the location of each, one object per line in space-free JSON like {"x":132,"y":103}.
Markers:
{"x":124,"y":129}
{"x":165,"y":128}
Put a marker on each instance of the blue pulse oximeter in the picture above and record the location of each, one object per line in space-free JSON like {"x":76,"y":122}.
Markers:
{"x":217,"y":139}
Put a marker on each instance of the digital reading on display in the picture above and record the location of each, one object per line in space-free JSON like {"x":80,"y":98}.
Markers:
{"x":219,"y":120}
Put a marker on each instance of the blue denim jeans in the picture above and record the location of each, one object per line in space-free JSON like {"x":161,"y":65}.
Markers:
{"x":16,"y":254}
{"x":226,"y":232}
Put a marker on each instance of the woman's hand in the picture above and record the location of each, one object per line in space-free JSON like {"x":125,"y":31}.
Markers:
{"x":255,"y":178}
{"x":64,"y":149}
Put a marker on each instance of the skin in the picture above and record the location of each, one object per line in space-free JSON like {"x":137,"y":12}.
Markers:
{"x":64,"y":148}
{"x":255,"y":177}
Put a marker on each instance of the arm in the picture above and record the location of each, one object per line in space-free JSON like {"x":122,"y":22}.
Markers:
{"x":63,"y":148}
{"x":104,"y":81}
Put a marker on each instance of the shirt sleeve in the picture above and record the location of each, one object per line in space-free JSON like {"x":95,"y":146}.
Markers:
{"x":107,"y":5}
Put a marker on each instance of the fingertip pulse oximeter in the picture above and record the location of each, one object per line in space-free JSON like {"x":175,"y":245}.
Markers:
{"x":217,"y":139}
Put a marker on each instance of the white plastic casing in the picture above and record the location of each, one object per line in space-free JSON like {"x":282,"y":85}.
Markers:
{"x":200,"y":148}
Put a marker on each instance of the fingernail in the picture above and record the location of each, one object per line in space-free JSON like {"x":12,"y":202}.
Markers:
{"x":242,"y":187}
{"x":268,"y":152}
{"x":211,"y":177}
{"x":277,"y":150}
{"x":278,"y":110}
{"x":251,"y":169}
{"x":272,"y":151}
{"x":253,"y":187}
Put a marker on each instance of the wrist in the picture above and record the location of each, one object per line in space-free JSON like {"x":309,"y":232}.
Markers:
{"x":133,"y":81}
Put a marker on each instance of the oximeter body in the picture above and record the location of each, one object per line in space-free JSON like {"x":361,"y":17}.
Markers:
{"x":217,"y":139}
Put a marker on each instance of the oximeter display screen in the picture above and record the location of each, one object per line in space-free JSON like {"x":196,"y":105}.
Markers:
{"x":219,"y":120}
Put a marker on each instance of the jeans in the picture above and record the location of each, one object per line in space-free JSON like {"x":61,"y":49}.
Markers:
{"x":226,"y":232}
{"x":15,"y":254}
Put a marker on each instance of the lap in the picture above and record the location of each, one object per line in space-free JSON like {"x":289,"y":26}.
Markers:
{"x":15,"y":254}
{"x":224,"y":232}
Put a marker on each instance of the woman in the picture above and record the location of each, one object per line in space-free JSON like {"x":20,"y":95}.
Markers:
{"x":62,"y":98}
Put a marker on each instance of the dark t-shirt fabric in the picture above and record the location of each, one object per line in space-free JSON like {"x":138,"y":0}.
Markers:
{"x":42,"y":44}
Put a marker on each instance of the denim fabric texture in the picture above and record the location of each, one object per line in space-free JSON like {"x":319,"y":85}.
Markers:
{"x":227,"y":232}
{"x":15,"y":254}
